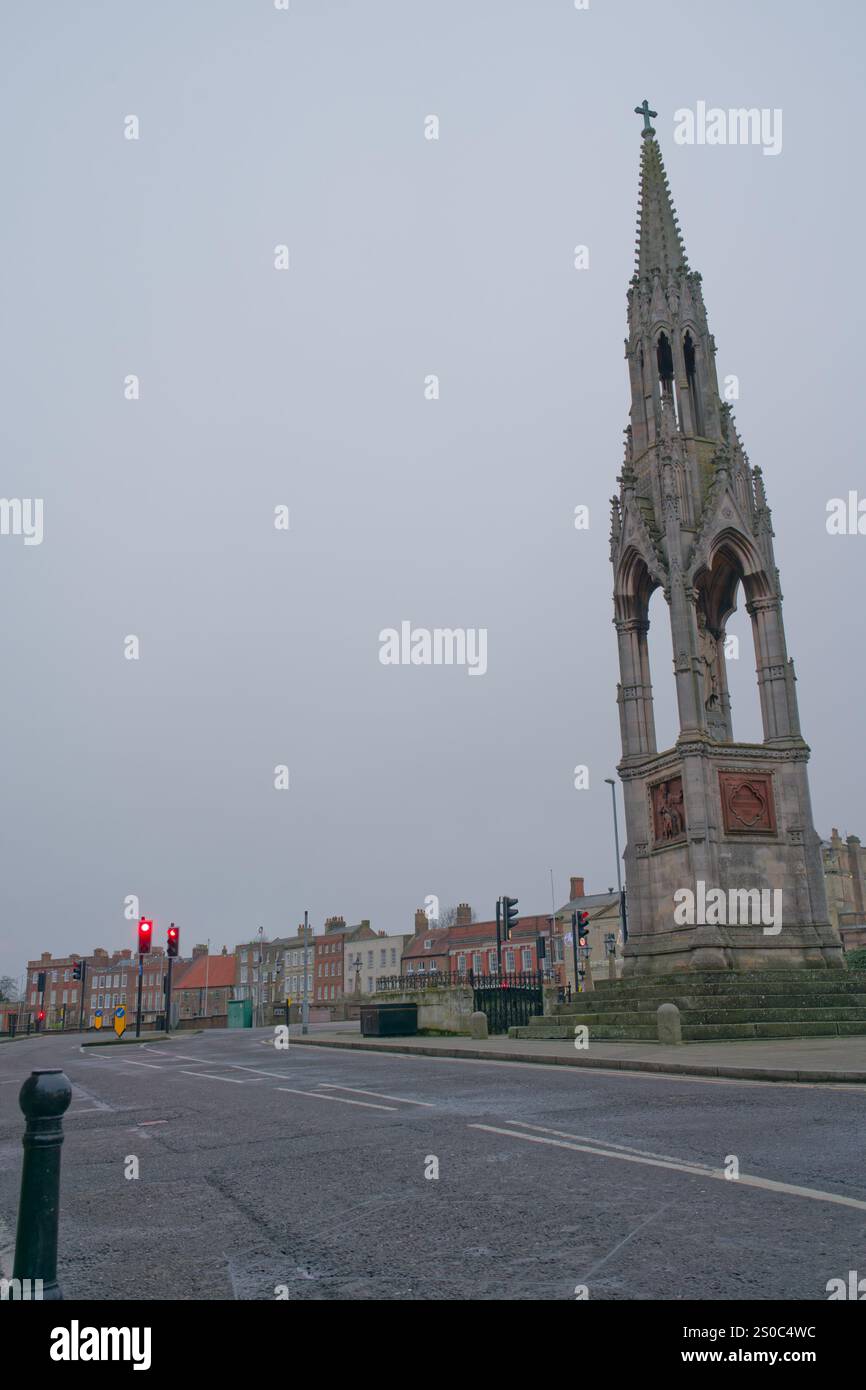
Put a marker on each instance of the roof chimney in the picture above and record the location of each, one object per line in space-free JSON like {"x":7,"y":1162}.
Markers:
{"x":421,"y":923}
{"x":464,"y":915}
{"x":577,"y":889}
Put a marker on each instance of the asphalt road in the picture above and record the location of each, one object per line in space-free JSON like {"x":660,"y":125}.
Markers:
{"x":301,"y":1173}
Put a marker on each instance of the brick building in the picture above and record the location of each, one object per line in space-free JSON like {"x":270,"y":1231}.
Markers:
{"x":604,"y":922}
{"x":108,"y":980}
{"x":366,"y":961}
{"x":328,"y":977}
{"x":471,"y":946}
{"x":203,"y":987}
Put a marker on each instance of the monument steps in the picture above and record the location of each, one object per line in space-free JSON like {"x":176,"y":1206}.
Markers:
{"x":713,"y":1032}
{"x":705,"y":1002}
{"x":713,"y":1006}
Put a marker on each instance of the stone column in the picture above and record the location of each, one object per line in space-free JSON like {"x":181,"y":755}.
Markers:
{"x":634,"y":695}
{"x":778,"y":700}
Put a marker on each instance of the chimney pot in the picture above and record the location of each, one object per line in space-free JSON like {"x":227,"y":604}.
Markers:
{"x":577,"y":888}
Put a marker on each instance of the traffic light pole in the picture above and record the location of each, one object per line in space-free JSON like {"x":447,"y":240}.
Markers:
{"x":81,"y":1010}
{"x":574,"y":949}
{"x":499,"y":936}
{"x":138,"y":1005}
{"x":168,"y":999}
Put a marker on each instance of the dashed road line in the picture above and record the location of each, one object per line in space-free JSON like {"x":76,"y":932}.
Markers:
{"x":342,"y":1100}
{"x":356,"y":1090}
{"x":694,"y":1170}
{"x":210,"y":1076}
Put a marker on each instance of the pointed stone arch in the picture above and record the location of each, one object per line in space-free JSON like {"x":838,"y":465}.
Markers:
{"x":734,"y":560}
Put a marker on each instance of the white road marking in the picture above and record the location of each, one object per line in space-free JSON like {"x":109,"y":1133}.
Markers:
{"x":609,"y":1144}
{"x":314,"y":1095}
{"x":181,"y":1056}
{"x":209,"y":1076}
{"x":280,"y":1075}
{"x":356,"y":1090}
{"x":744,"y":1180}
{"x":154,"y":1066}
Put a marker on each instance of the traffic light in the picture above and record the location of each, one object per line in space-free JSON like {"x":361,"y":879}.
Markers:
{"x":41,"y":1016}
{"x":582,"y":929}
{"x":509,"y":916}
{"x":40,"y":981}
{"x":173,"y":940}
{"x":76,"y":970}
{"x":145,"y":936}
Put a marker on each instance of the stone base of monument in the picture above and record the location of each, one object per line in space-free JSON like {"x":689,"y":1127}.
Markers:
{"x":714,"y":1006}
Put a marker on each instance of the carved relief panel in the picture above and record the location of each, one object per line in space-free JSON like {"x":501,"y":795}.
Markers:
{"x":668,"y":811}
{"x":748,"y":805}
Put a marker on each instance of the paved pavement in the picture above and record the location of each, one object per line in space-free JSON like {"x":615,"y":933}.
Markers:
{"x":304,"y":1172}
{"x":784,"y":1059}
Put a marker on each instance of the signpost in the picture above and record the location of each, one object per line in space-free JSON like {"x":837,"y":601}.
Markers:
{"x":120,"y":1020}
{"x":97,"y":1019}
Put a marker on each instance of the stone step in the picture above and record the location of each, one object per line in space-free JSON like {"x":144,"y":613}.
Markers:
{"x":830,"y":981}
{"x":708,"y":1032}
{"x":648,"y":1004}
{"x":745,"y":1013}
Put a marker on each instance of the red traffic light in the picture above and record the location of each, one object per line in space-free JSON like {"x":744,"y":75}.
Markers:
{"x":145,"y":935}
{"x":41,"y":1015}
{"x":173,"y":940}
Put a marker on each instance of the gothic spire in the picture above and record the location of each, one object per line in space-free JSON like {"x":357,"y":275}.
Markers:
{"x":659,"y":243}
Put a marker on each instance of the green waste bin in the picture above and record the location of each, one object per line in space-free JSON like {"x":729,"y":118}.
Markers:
{"x":240,"y":1013}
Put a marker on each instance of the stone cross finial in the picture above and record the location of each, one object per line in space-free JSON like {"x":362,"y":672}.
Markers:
{"x":644,"y":110}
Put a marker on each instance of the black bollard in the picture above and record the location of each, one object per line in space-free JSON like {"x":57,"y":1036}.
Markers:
{"x":44,"y":1097}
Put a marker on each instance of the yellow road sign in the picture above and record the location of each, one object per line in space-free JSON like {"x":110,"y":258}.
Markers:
{"x":119,"y":1020}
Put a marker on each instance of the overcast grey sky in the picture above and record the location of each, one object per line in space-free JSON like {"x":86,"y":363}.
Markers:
{"x":305,"y":387}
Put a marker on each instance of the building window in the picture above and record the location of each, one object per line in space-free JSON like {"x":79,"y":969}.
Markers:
{"x":492,"y":962}
{"x":393,"y":955}
{"x":476,"y":962}
{"x":509,"y":960}
{"x":526,"y":958}
{"x":461,"y":964}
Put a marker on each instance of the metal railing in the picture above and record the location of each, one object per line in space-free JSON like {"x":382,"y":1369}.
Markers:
{"x":440,"y":979}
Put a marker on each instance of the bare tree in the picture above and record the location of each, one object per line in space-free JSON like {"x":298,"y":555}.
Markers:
{"x":8,"y":990}
{"x":448,"y":917}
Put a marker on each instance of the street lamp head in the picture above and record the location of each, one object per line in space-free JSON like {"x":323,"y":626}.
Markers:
{"x":610,"y":781}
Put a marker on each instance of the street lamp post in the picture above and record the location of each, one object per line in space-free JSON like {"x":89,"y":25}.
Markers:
{"x":305,"y":1007}
{"x":259,"y":979}
{"x":622,"y":913}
